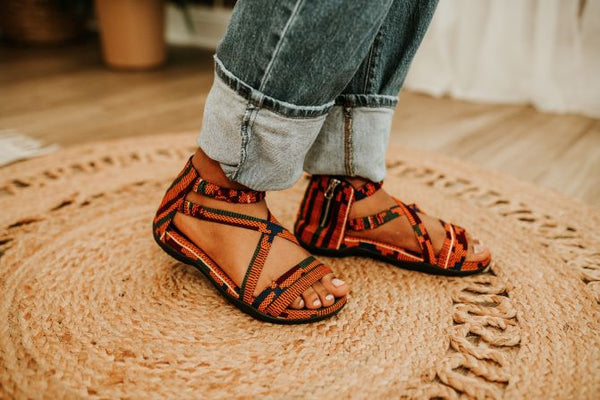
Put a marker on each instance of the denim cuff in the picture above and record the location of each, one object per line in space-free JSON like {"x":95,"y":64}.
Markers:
{"x":257,"y":146}
{"x":366,"y":100}
{"x":260,"y":100}
{"x":352,"y":141}
{"x":264,"y":143}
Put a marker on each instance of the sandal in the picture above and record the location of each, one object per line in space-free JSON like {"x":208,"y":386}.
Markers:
{"x":322,"y":224}
{"x":272,"y":303}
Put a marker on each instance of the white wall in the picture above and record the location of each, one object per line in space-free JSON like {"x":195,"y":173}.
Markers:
{"x":544,"y":52}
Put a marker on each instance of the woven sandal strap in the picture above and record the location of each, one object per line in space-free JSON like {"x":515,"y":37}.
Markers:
{"x":375,"y":220}
{"x":268,"y":226}
{"x":366,"y":190}
{"x":229,"y":195}
{"x":454,"y":250}
{"x":284,"y":233}
{"x":415,"y":207}
{"x":296,"y":288}
{"x":446,"y":254}
{"x":257,"y":262}
{"x":266,"y":297}
{"x":290,"y":285}
{"x":421,"y":234}
{"x":182,"y":184}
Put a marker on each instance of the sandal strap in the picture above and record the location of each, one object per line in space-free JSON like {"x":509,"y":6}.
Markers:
{"x":375,"y":220}
{"x":299,"y":286}
{"x":268,"y":226}
{"x":269,"y":229}
{"x":453,"y":253}
{"x":282,"y":292}
{"x":414,"y":206}
{"x":229,"y":195}
{"x":173,"y":200}
{"x":257,"y":262}
{"x":421,"y":234}
{"x":454,"y":250}
{"x":367,"y":190}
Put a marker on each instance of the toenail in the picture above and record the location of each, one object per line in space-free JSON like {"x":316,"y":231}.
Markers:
{"x":301,"y":304}
{"x":337,"y":282}
{"x":329,"y":297}
{"x":317,"y":303}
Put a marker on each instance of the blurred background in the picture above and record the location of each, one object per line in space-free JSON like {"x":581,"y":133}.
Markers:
{"x":511,"y":85}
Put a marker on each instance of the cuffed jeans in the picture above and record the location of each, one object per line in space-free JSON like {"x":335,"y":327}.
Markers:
{"x":309,"y":85}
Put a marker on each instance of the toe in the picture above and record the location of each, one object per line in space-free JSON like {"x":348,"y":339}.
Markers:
{"x":477,"y":250}
{"x":335,"y":285}
{"x":326,"y":298}
{"x":297,"y":304}
{"x":311,"y":298}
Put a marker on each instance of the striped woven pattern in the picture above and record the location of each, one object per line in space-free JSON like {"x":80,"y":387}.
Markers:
{"x":274,"y":300}
{"x":367,"y":190}
{"x":375,"y":220}
{"x":312,"y":232}
{"x":317,"y":228}
{"x":173,"y":198}
{"x":208,"y":189}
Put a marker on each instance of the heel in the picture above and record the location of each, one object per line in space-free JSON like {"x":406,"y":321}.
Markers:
{"x":170,"y":251}
{"x":321,"y":221}
{"x":173,"y":199}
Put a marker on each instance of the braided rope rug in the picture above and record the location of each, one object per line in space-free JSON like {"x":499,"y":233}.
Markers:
{"x":91,"y":307}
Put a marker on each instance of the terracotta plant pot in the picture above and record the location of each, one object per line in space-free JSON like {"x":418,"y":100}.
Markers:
{"x":132,"y":32}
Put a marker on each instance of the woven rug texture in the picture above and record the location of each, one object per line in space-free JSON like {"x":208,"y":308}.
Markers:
{"x":90,"y":307}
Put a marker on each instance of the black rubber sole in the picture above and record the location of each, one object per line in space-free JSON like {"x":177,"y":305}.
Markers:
{"x":413,"y":266}
{"x":203,"y":268}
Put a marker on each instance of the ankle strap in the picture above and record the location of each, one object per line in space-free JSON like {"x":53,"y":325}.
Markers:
{"x":229,"y":195}
{"x":367,"y":190}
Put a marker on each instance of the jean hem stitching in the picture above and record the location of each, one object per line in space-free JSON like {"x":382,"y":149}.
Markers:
{"x":366,"y":100}
{"x":260,"y":100}
{"x":244,"y":133}
{"x":348,"y":143}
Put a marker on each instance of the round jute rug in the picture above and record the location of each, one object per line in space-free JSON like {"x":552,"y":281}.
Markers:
{"x":91,"y":307}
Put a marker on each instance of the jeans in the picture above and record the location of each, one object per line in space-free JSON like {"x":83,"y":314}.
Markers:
{"x":309,"y":85}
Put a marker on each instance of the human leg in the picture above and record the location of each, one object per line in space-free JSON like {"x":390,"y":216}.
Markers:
{"x":353,"y":141}
{"x":267,"y":105}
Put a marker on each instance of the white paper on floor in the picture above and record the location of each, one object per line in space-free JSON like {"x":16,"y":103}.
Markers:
{"x":15,"y":146}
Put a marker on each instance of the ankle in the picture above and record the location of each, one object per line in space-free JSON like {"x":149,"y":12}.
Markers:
{"x":258,"y":209}
{"x":356,"y":181}
{"x":212,"y":172}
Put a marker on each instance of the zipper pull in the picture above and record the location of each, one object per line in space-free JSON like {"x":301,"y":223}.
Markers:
{"x":329,"y":196}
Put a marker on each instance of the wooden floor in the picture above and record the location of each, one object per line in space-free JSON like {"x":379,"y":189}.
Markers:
{"x":65,"y":95}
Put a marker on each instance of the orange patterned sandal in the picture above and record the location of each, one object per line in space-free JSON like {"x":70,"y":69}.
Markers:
{"x":272,"y":303}
{"x":322,"y":228}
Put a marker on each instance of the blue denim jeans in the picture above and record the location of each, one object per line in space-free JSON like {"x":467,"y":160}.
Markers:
{"x":309,"y":85}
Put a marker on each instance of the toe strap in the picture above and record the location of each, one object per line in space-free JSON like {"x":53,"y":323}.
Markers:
{"x":282,"y":292}
{"x":454,"y":250}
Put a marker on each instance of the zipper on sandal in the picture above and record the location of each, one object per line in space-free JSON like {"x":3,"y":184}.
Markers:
{"x":333,"y":183}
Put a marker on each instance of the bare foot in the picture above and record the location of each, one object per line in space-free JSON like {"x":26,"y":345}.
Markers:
{"x":232,"y":248}
{"x":399,"y":232}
